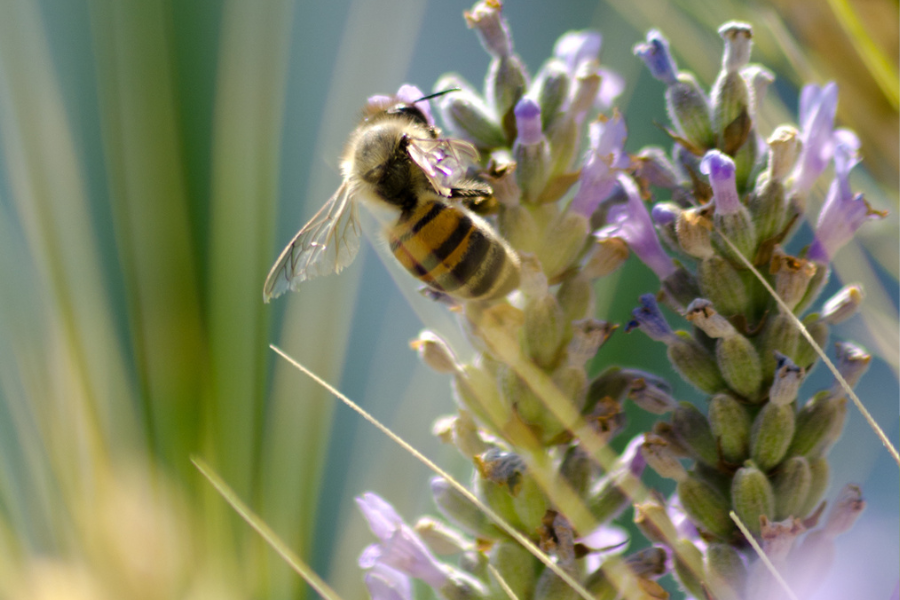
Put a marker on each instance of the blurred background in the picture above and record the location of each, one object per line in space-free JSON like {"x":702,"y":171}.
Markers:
{"x":154,"y":158}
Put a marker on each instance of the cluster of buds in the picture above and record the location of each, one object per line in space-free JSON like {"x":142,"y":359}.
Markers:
{"x":759,"y":451}
{"x":536,"y":425}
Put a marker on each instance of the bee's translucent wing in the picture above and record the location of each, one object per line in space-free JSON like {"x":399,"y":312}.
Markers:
{"x":444,"y":161}
{"x":325,"y":245}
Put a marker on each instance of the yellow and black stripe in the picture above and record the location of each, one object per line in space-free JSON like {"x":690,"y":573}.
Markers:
{"x":454,"y":251}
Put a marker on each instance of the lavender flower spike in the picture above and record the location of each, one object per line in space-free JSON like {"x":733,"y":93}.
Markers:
{"x":843,"y":212}
{"x":631,"y":222}
{"x":598,"y":176}
{"x":720,"y":169}
{"x":655,"y":54}
{"x":651,"y":320}
{"x":400,"y":547}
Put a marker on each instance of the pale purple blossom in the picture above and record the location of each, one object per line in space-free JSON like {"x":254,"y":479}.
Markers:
{"x":720,"y":169}
{"x":579,"y":51}
{"x":528,"y":121}
{"x":818,"y":137}
{"x":400,"y":547}
{"x":631,"y":222}
{"x":387,"y":583}
{"x":604,"y":541}
{"x":598,"y":176}
{"x":651,"y":321}
{"x":408,"y":94}
{"x":843,"y":212}
{"x":655,"y":54}
{"x":575,"y":47}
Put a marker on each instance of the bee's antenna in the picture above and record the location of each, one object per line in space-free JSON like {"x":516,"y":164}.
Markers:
{"x":436,"y":94}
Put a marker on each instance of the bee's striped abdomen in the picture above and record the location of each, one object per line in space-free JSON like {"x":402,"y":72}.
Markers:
{"x":454,"y":251}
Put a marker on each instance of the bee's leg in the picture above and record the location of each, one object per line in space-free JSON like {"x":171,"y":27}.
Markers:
{"x":476,"y":196}
{"x":443,"y":298}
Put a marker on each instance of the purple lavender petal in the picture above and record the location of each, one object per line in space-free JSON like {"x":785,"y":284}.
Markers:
{"x":720,"y":169}
{"x":386,"y":583}
{"x":575,"y":47}
{"x":655,"y":54}
{"x":631,"y":222}
{"x":817,"y":110}
{"x":611,"y":87}
{"x":598,"y":176}
{"x":528,"y":121}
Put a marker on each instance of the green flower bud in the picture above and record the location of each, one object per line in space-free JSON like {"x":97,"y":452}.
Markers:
{"x":726,"y":574}
{"x":730,"y":425}
{"x":819,"y":471}
{"x":786,"y":384}
{"x":440,"y":538}
{"x":565,"y":139}
{"x":434,"y":352}
{"x":530,"y":503}
{"x":461,"y":512}
{"x":504,"y":87}
{"x":706,"y":506}
{"x":551,"y":88}
{"x":530,"y":408}
{"x":721,"y":283}
{"x":791,"y":484}
{"x":771,"y":435}
{"x":651,"y":396}
{"x":572,"y":382}
{"x":649,"y":562}
{"x":816,"y":423}
{"x":551,"y":587}
{"x":680,"y":286}
{"x":688,"y":563}
{"x":531,"y":151}
{"x":542,"y":332}
{"x":607,"y":500}
{"x":467,"y":116}
{"x":731,"y":98}
{"x":695,"y":364}
{"x":519,"y":227}
{"x":516,"y":566}
{"x":792,"y":276}
{"x":693,"y":229}
{"x":654,"y":166}
{"x":701,"y":313}
{"x":689,"y":110}
{"x":577,"y":469}
{"x":676,"y":444}
{"x":461,"y":586}
{"x":693,"y":428}
{"x":815,"y":287}
{"x":746,"y":162}
{"x":780,"y":334}
{"x":752,"y":496}
{"x":462,"y":431}
{"x":740,"y":366}
{"x":476,"y":390}
{"x":805,"y":354}
{"x":739,"y":228}
{"x":587,"y":337}
{"x":654,"y":522}
{"x":564,"y":240}
{"x":843,"y":304}
{"x":665,"y":463}
{"x":607,"y":256}
{"x":768,"y":207}
{"x":576,"y":298}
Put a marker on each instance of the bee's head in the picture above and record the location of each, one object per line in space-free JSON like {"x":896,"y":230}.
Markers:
{"x":384,"y":105}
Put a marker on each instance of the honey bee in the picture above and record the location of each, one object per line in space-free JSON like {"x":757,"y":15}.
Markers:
{"x":396,"y":159}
